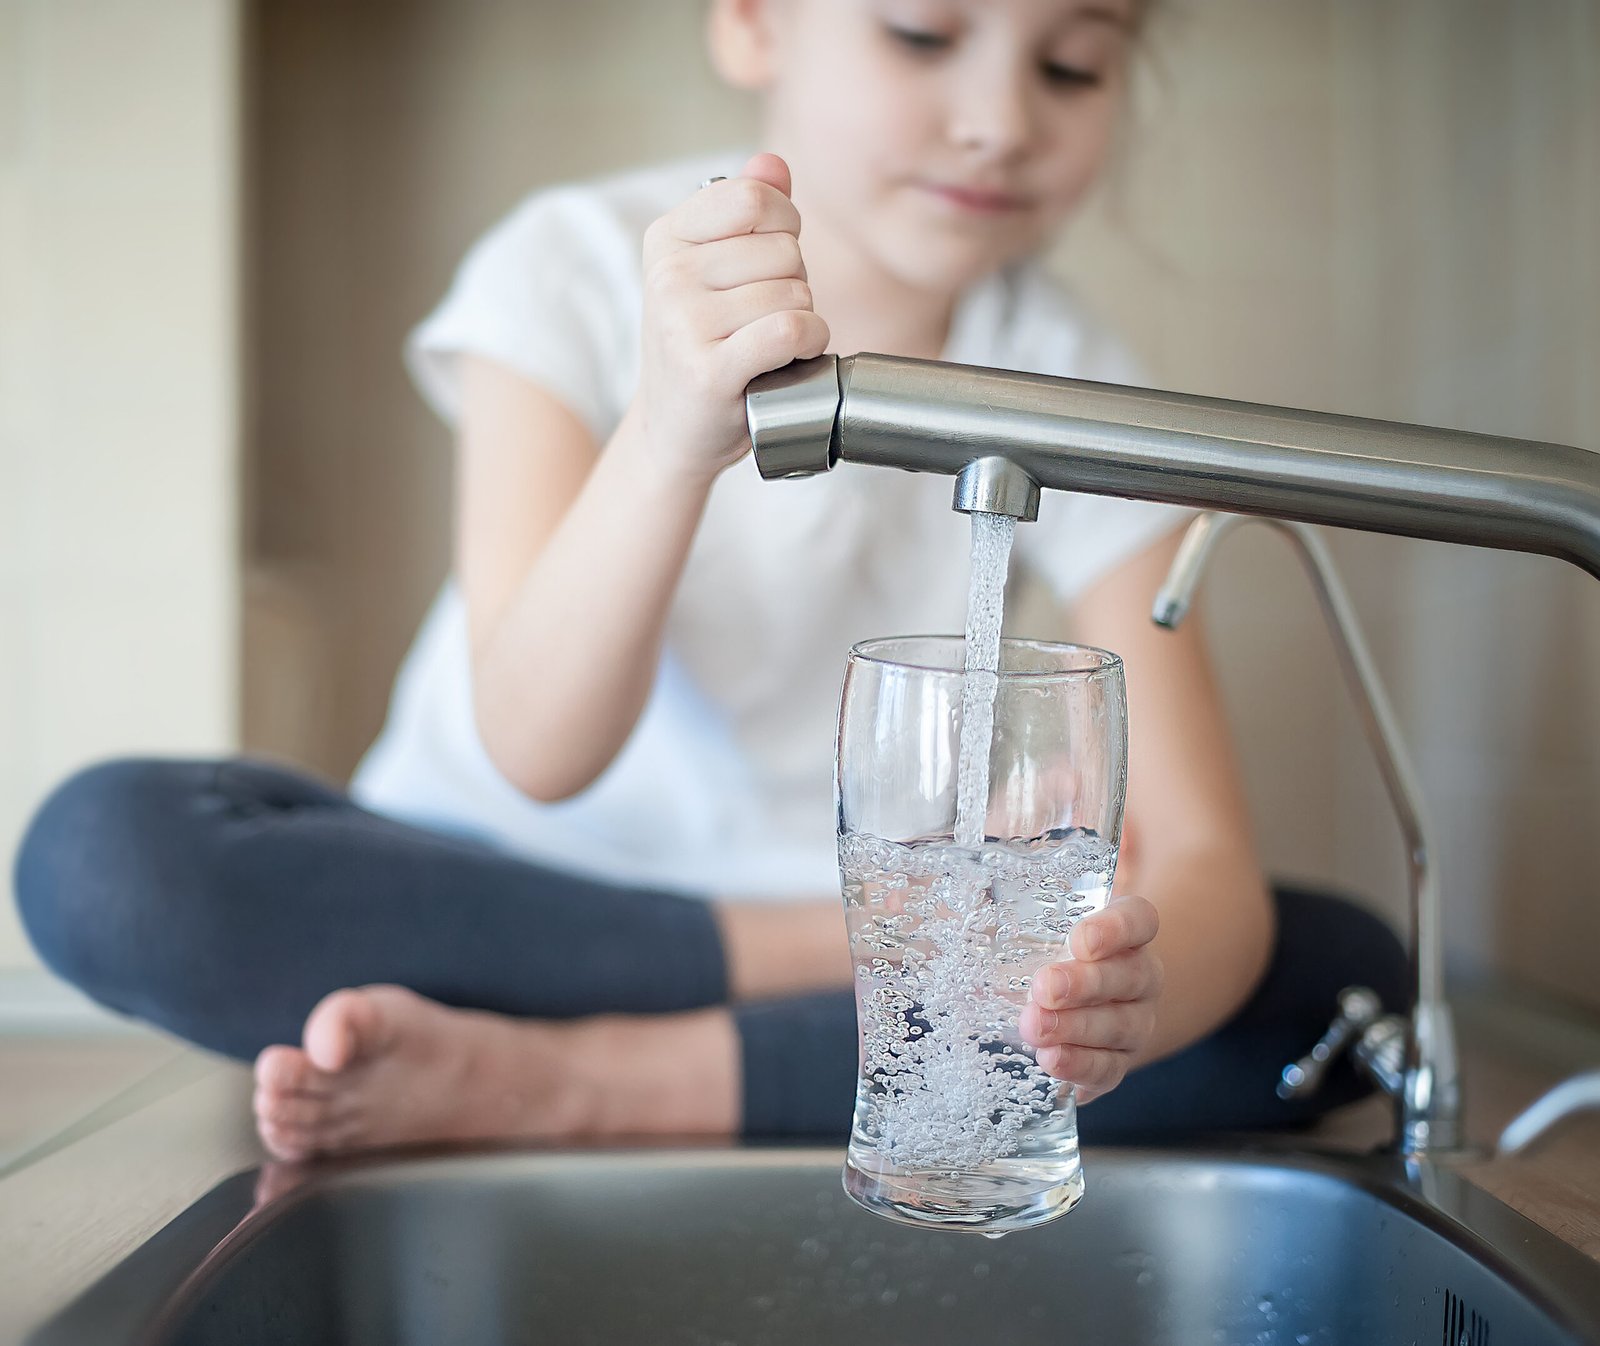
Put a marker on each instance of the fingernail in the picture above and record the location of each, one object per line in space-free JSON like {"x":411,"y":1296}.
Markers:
{"x":1047,"y":1019}
{"x":1055,"y":987}
{"x":1091,"y":939}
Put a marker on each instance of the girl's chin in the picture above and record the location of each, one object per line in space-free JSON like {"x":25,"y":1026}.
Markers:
{"x":942,"y":268}
{"x":935,"y":254}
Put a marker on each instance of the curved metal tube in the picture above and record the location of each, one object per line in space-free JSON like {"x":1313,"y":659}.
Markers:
{"x":1579,"y":1094}
{"x":1430,"y":1103}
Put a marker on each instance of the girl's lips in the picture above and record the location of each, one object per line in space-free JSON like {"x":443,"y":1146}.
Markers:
{"x":976,"y":200}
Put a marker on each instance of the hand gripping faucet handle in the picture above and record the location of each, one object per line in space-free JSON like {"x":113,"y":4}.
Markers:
{"x":1358,"y":1008}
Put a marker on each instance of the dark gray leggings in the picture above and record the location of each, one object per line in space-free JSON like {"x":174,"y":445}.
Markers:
{"x":221,"y":900}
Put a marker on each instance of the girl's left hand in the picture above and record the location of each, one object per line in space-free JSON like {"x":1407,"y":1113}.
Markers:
{"x":1092,"y":1017}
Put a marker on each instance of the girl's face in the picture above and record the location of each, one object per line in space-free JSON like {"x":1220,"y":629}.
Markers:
{"x":943,"y":138}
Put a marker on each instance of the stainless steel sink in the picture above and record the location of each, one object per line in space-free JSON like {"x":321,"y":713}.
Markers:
{"x":707,"y":1247}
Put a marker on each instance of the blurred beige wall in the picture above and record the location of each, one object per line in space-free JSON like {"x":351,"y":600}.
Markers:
{"x":118,"y":391}
{"x":1380,"y":209}
{"x":1393,"y":210}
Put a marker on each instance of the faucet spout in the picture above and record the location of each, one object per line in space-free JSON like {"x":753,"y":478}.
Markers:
{"x":1240,"y":457}
{"x":997,"y":486}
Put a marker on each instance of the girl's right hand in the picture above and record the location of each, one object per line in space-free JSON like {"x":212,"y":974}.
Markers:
{"x":725,"y":299}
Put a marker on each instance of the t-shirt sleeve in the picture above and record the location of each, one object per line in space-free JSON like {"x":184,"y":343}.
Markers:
{"x":1078,"y":539}
{"x":541,"y":293}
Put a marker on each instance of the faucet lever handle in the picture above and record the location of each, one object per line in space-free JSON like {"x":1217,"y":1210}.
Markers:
{"x":1359,"y":1007}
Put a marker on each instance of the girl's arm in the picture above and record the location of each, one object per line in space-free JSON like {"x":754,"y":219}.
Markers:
{"x":1179,"y":959}
{"x":1190,"y":849}
{"x":568,"y":553}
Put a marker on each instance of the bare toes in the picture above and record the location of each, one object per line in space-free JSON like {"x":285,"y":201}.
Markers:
{"x":288,"y":1070}
{"x":287,"y":1143}
{"x":294,"y":1136}
{"x":290,"y":1111}
{"x":349,"y":1026}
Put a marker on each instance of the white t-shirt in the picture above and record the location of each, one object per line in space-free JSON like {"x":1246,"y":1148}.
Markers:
{"x":725,"y":785}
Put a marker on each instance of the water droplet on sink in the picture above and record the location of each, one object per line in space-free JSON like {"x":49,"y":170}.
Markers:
{"x":889,"y":1296}
{"x":980,"y":1268}
{"x":1146,"y":1277}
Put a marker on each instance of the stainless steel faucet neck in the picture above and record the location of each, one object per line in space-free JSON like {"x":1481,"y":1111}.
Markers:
{"x":1104,"y":439}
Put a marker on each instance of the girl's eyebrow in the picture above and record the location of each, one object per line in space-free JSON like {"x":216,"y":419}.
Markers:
{"x":1100,"y":14}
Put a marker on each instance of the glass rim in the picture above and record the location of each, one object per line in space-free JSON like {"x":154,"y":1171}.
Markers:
{"x":1107,"y":665}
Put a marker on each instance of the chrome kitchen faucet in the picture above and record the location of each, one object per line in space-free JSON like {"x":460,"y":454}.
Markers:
{"x":1003,"y":435}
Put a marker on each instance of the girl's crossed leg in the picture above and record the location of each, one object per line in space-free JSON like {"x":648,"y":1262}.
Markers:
{"x":440,"y":989}
{"x":443,"y":990}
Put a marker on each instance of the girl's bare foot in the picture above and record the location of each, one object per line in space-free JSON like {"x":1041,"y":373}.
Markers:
{"x":382,"y":1066}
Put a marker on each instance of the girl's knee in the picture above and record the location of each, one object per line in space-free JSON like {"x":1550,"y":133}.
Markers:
{"x":84,"y":878}
{"x":1330,"y":942}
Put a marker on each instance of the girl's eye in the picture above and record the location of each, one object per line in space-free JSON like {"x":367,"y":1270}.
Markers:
{"x":918,"y":40}
{"x":1070,"y":76}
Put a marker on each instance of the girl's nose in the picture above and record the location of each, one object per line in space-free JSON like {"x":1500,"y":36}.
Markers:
{"x":990,"y":115}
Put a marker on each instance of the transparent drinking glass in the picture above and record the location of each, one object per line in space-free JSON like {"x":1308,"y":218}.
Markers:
{"x":956,"y":1126}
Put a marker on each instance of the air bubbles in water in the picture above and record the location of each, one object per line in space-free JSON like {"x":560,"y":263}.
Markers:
{"x":948,"y":1087}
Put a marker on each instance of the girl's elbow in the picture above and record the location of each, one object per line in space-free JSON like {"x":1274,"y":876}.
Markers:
{"x":539,"y":775}
{"x":543,"y":789}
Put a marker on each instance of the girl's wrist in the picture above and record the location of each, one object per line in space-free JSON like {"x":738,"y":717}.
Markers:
{"x":661,"y":472}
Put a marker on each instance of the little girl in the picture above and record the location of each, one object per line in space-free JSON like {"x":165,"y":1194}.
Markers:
{"x":586,"y":885}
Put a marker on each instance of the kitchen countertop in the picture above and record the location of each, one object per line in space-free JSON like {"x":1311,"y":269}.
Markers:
{"x":156,"y":1125}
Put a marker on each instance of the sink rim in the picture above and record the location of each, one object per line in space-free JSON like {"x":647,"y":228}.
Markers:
{"x":156,"y":1280}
